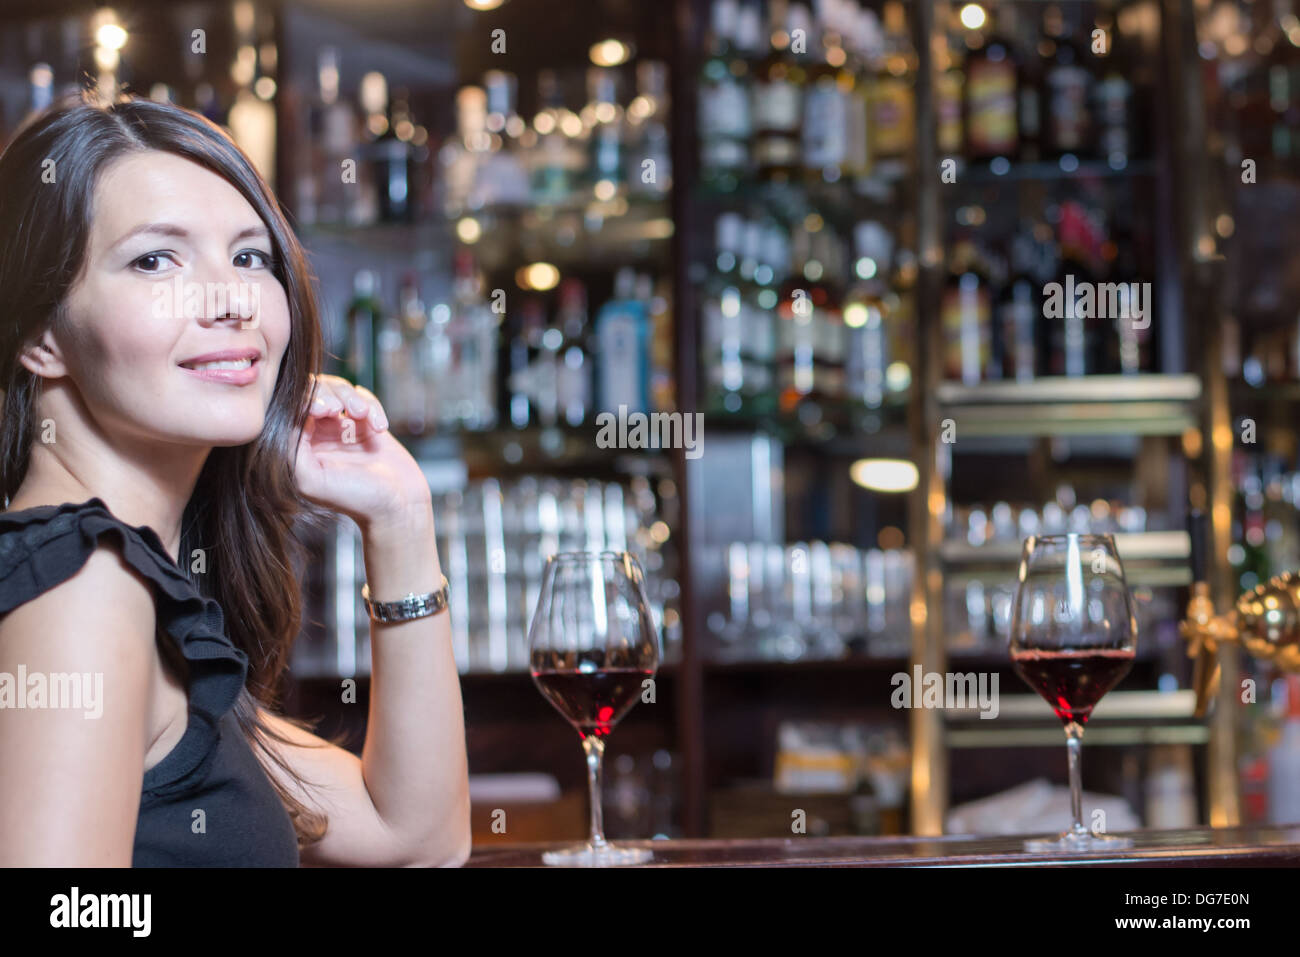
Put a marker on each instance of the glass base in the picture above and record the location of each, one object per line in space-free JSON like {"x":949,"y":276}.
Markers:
{"x":1073,"y":842}
{"x":604,"y":855}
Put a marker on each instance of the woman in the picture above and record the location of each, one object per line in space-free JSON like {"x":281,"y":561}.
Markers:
{"x":164,"y":423}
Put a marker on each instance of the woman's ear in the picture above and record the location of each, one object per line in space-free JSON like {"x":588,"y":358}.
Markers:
{"x":42,"y":358}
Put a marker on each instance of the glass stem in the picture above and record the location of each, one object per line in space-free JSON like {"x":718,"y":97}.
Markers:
{"x":1074,"y":744}
{"x":595,"y":751}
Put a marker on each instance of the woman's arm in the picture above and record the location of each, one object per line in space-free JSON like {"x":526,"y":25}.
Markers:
{"x":69,"y":777}
{"x":405,"y":802}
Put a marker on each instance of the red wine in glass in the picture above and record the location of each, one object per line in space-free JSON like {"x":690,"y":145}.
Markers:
{"x":593,"y":701}
{"x":1073,"y":680}
{"x":592,"y":645}
{"x":1073,"y":638}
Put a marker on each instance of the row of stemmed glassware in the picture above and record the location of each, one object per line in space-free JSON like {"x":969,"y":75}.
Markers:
{"x":594,"y":649}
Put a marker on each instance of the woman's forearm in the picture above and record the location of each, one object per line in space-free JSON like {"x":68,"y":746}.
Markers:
{"x":414,"y":759}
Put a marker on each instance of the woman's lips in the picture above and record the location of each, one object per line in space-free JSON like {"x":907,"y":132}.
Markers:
{"x":228,"y":376}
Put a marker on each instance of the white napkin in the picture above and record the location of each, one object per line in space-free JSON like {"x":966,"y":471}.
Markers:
{"x":1039,"y":806}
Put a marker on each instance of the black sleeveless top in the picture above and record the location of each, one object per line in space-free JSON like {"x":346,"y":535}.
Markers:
{"x":212,"y":768}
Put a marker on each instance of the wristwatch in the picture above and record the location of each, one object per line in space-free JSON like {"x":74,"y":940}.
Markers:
{"x":408,"y":608}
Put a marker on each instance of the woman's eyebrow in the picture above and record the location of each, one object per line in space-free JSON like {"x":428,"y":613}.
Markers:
{"x":248,"y":232}
{"x":170,"y":229}
{"x":158,"y":229}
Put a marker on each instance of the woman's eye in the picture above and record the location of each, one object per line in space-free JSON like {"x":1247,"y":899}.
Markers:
{"x":252,"y":259}
{"x":151,"y":262}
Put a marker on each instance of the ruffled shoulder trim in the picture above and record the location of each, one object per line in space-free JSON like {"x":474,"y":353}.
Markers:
{"x":44,"y":546}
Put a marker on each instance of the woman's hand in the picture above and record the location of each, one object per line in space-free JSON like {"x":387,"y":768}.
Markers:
{"x":349,"y":462}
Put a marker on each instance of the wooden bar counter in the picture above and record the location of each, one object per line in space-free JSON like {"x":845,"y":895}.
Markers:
{"x":1192,"y":847}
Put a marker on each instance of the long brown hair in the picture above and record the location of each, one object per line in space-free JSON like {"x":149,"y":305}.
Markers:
{"x":245,"y":503}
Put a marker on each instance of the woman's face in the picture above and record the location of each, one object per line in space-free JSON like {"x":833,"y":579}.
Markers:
{"x":178,"y":275}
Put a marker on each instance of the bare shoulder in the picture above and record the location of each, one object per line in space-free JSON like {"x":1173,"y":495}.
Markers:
{"x":70,"y":791}
{"x":104,"y":610}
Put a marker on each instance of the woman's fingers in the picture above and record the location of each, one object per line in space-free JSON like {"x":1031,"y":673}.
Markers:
{"x":377,"y":416}
{"x":325,"y":402}
{"x":336,"y":395}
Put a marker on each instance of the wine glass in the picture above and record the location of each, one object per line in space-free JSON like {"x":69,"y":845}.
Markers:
{"x":1073,"y":638}
{"x":592,"y":647}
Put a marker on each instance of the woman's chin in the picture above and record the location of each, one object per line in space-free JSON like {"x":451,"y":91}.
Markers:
{"x":228,"y":436}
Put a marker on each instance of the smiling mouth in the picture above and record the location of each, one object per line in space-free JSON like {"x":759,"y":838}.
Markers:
{"x":233,"y":364}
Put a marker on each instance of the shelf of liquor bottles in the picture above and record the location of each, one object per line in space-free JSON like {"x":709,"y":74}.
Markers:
{"x":802,"y":251}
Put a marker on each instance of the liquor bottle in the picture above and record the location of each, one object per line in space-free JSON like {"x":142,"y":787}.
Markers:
{"x":891,"y":128}
{"x":557,"y":159}
{"x":605,"y":162}
{"x":391,"y":162}
{"x":1023,"y":33}
{"x":1017,"y":310}
{"x":392,"y":364}
{"x":338,"y":138}
{"x":1255,"y":567}
{"x":573,"y":375}
{"x":548,"y":358}
{"x":991,"y":100}
{"x":502,"y":91}
{"x":998,"y":274}
{"x":739,"y":311}
{"x":501,"y":178}
{"x":1113,"y":106}
{"x":434,"y":359}
{"x":824,"y":145}
{"x":966,"y":316}
{"x":1067,"y":126}
{"x":514,"y":380}
{"x":900,"y":303}
{"x":623,"y":346}
{"x":751,"y":45}
{"x":309,"y":178}
{"x":538,"y":381}
{"x":363,"y":206}
{"x":1072,"y":338}
{"x":1129,"y":338}
{"x":663,"y":381}
{"x":826,"y":288}
{"x":949,"y":92}
{"x":469,"y":386}
{"x":410,"y":405}
{"x":724,"y":115}
{"x":1282,"y":64}
{"x":796,"y":335}
{"x":464,"y":152}
{"x":364,"y":317}
{"x":868,"y":318}
{"x":777,"y":99}
{"x":810,"y":346}
{"x":852,"y":79}
{"x":729,"y":388}
{"x":649,"y":112}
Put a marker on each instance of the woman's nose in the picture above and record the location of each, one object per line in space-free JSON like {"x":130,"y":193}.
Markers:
{"x":229,"y":297}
